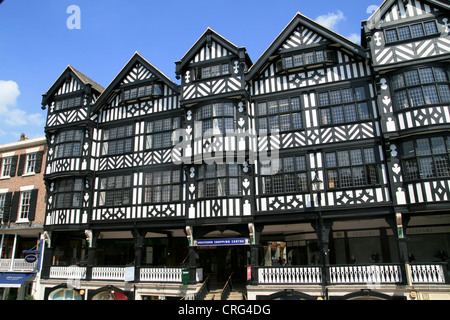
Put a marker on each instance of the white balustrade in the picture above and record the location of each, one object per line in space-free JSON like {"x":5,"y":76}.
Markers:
{"x":373,"y":274}
{"x":427,"y":273}
{"x":161,"y":274}
{"x":17,"y":265}
{"x":108,"y":273}
{"x":69,"y":272}
{"x":289,"y":275}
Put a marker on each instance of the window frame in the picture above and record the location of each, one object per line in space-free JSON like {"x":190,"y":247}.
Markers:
{"x":126,"y":141}
{"x":294,"y":108}
{"x":205,"y":72}
{"x":338,"y":110}
{"x":172,"y":185}
{"x":343,"y":171}
{"x":409,"y":27}
{"x":414,"y":95}
{"x":165,"y":134}
{"x":25,"y":207}
{"x":214,"y":123}
{"x":6,"y":167}
{"x":63,"y":193}
{"x":215,"y":182}
{"x":68,"y":147}
{"x":106,"y":192}
{"x":414,"y":161}
{"x":270,"y":183}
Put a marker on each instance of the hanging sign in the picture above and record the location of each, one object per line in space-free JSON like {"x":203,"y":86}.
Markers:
{"x":222,"y":242}
{"x":31,"y":258}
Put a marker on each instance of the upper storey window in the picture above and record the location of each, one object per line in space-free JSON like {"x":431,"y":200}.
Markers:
{"x":68,"y":144}
{"x":153,"y":90}
{"x":411,"y":31}
{"x":305,"y":59}
{"x":423,"y":86}
{"x":344,"y":105}
{"x":68,"y":103}
{"x":280,"y":115}
{"x":216,"y":118}
{"x":212,"y":71}
{"x":117,"y":140}
{"x":159,"y":133}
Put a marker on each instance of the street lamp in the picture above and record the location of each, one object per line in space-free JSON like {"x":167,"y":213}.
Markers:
{"x":317,"y":185}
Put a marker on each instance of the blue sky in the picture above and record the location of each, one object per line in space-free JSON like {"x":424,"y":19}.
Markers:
{"x":36,"y":44}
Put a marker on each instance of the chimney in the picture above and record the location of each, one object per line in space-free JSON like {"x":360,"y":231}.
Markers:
{"x":23,"y":137}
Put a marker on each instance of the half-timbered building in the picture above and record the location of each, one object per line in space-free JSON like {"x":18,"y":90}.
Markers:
{"x":298,"y":176}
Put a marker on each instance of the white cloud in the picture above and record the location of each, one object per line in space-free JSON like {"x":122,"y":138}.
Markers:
{"x":331,"y":19}
{"x":10,"y":114}
{"x":356,"y":38}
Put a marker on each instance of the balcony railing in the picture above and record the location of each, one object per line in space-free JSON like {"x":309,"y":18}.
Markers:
{"x":353,"y":274}
{"x":164,"y":274}
{"x":16,"y":265}
{"x":336,"y":274}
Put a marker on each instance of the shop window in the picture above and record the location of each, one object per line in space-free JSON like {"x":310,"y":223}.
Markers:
{"x":65,"y":294}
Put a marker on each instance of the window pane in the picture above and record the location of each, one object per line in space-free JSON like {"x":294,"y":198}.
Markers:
{"x":338,"y":114}
{"x":326,"y":116}
{"x":423,"y":147}
{"x":417,"y":30}
{"x":284,"y":105}
{"x":442,"y":166}
{"x":295,"y":104}
{"x":401,"y":98}
{"x":272,"y":107}
{"x":369,"y":155}
{"x":412,"y":170}
{"x":262,"y":109}
{"x":288,"y":164}
{"x":426,"y":167}
{"x":335,"y":97}
{"x":331,"y":160}
{"x":343,"y":158}
{"x":426,"y":75}
{"x":345,"y":177}
{"x":431,"y":96}
{"x":398,"y":82}
{"x":298,"y":60}
{"x":438,"y":145}
{"x":403,"y":33}
{"x":356,"y":157}
{"x":444,"y":93}
{"x":440,"y":74}
{"x":347,"y":95}
{"x":363,"y":111}
{"x":301,"y":163}
{"x":297,"y":120}
{"x":285,"y":122}
{"x":358,"y":176}
{"x":430,"y":27}
{"x":350,"y":113}
{"x":412,"y":78}
{"x":391,"y":35}
{"x":416,"y":96}
{"x":333,"y":181}
{"x":323,"y":99}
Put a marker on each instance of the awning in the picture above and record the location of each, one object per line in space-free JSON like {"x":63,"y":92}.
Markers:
{"x":14,"y":280}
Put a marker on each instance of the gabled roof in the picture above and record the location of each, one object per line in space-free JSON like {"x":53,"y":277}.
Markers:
{"x":70,"y":72}
{"x":375,"y":18}
{"x":206,"y":39}
{"x":300,"y":19}
{"x":121,"y":76}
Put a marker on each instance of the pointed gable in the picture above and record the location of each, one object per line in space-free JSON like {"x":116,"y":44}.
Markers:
{"x":210,"y":46}
{"x":71,"y":80}
{"x":303,"y":33}
{"x":137,"y":70}
{"x":391,"y":11}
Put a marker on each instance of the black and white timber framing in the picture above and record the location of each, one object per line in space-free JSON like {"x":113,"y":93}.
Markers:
{"x":370,"y":121}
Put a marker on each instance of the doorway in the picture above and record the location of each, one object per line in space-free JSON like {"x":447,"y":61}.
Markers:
{"x":220,"y":261}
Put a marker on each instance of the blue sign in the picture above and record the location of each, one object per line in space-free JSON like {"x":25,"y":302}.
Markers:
{"x":31,"y":258}
{"x":222,"y":242}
